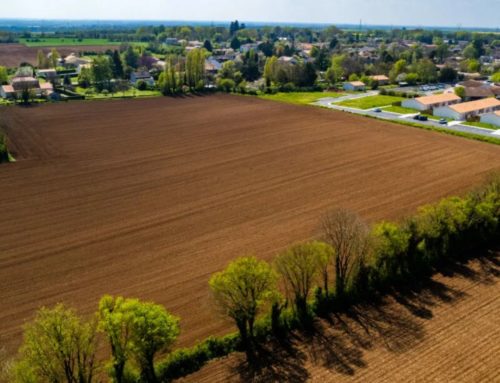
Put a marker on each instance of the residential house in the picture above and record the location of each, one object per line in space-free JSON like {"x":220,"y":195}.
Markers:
{"x":47,"y":74}
{"x":355,"y":86}
{"x":491,"y":118}
{"x":142,"y":76}
{"x":212,"y":65}
{"x":244,"y":48}
{"x":381,"y":79}
{"x":469,"y":109}
{"x":74,"y":61}
{"x":20,"y":84}
{"x":171,"y":41}
{"x":430,"y":102}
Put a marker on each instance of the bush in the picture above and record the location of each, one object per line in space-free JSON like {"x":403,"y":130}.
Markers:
{"x":141,"y":85}
{"x":188,"y":360}
{"x":4,"y":153}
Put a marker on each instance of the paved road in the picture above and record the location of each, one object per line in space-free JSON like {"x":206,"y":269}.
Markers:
{"x":331,"y":103}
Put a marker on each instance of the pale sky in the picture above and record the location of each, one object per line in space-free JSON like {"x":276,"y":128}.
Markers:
{"x":471,"y":13}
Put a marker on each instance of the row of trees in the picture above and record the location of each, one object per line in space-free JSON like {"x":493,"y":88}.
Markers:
{"x":60,"y":346}
{"x":351,"y":262}
{"x":183,"y":74}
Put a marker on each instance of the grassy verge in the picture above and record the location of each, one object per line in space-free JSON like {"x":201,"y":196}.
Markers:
{"x":299,"y":98}
{"x":370,"y":102}
{"x":127,"y":94}
{"x":400,"y":110}
{"x":4,"y":153}
{"x":482,"y":125}
{"x":443,"y":130}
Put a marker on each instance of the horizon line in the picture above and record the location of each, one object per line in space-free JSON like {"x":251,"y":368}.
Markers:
{"x":266,"y":23}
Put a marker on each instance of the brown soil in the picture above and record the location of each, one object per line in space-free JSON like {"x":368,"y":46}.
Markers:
{"x":148,"y":198}
{"x":445,"y":331}
{"x":11,"y":55}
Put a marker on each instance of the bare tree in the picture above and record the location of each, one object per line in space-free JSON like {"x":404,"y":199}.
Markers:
{"x":349,"y":236}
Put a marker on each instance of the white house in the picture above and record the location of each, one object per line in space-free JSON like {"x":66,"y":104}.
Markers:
{"x":491,"y":118}
{"x":20,"y":84}
{"x":430,"y":102}
{"x":466,"y":110}
{"x":144,"y":76}
{"x":354,"y":86}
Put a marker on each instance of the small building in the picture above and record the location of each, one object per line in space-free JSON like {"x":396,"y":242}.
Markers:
{"x":491,"y":118}
{"x":469,"y":109}
{"x":430,"y":102}
{"x":171,"y":41}
{"x":47,"y":74}
{"x":212,"y":65}
{"x":354,"y":86}
{"x":73,"y":61}
{"x":20,"y":84}
{"x":142,"y":76}
{"x":381,"y":79}
{"x":478,"y":92}
{"x":288,"y":60}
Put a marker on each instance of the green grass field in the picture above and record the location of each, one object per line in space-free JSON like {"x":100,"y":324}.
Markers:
{"x":299,"y":98}
{"x":482,"y":125}
{"x":370,"y":102}
{"x":400,"y":110}
{"x":56,"y":41}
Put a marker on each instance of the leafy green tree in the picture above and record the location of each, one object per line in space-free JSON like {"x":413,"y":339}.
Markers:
{"x":460,"y":91}
{"x":138,"y":330}
{"x":195,"y":69}
{"x":131,"y":58}
{"x":447,"y":74}
{"x":235,"y":43}
{"x":398,"y":68}
{"x":242,"y":291}
{"x":495,"y":77}
{"x":412,"y":78}
{"x":250,"y":66}
{"x":118,"y":71}
{"x":54,"y":57}
{"x":153,"y":330}
{"x":3,"y":75}
{"x":85,"y":77}
{"x":226,"y":84}
{"x":41,"y":60}
{"x":426,"y":71}
{"x":270,"y":70}
{"x":208,"y":46}
{"x":336,"y":71}
{"x":473,"y":65}
{"x":58,"y":347}
{"x":102,"y":72}
{"x":300,"y":267}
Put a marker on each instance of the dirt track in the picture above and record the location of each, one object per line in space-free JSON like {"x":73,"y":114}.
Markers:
{"x":446,"y":331}
{"x":11,"y":55}
{"x":148,"y":198}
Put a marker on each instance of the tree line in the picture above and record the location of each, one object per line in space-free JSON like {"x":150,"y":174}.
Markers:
{"x":350,"y":261}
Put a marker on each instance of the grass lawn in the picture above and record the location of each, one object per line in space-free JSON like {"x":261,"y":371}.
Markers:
{"x":400,"y":110}
{"x":482,"y":125}
{"x":129,"y":93}
{"x":299,"y":98}
{"x":370,"y":102}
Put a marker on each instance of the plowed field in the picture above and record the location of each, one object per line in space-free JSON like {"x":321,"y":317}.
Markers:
{"x":148,"y":198}
{"x":11,"y":55}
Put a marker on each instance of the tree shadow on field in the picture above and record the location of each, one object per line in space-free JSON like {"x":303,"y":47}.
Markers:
{"x":393,"y":322}
{"x":277,"y":361}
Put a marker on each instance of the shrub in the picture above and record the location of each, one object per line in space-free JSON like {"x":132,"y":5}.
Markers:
{"x":141,"y":85}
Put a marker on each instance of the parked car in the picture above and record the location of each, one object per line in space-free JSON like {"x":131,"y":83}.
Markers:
{"x":378,"y":110}
{"x":443,"y":121}
{"x":420,"y":117}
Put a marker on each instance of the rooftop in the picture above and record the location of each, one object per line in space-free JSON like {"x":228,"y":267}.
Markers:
{"x":357,"y":83}
{"x":472,"y":106}
{"x":438,"y":98}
